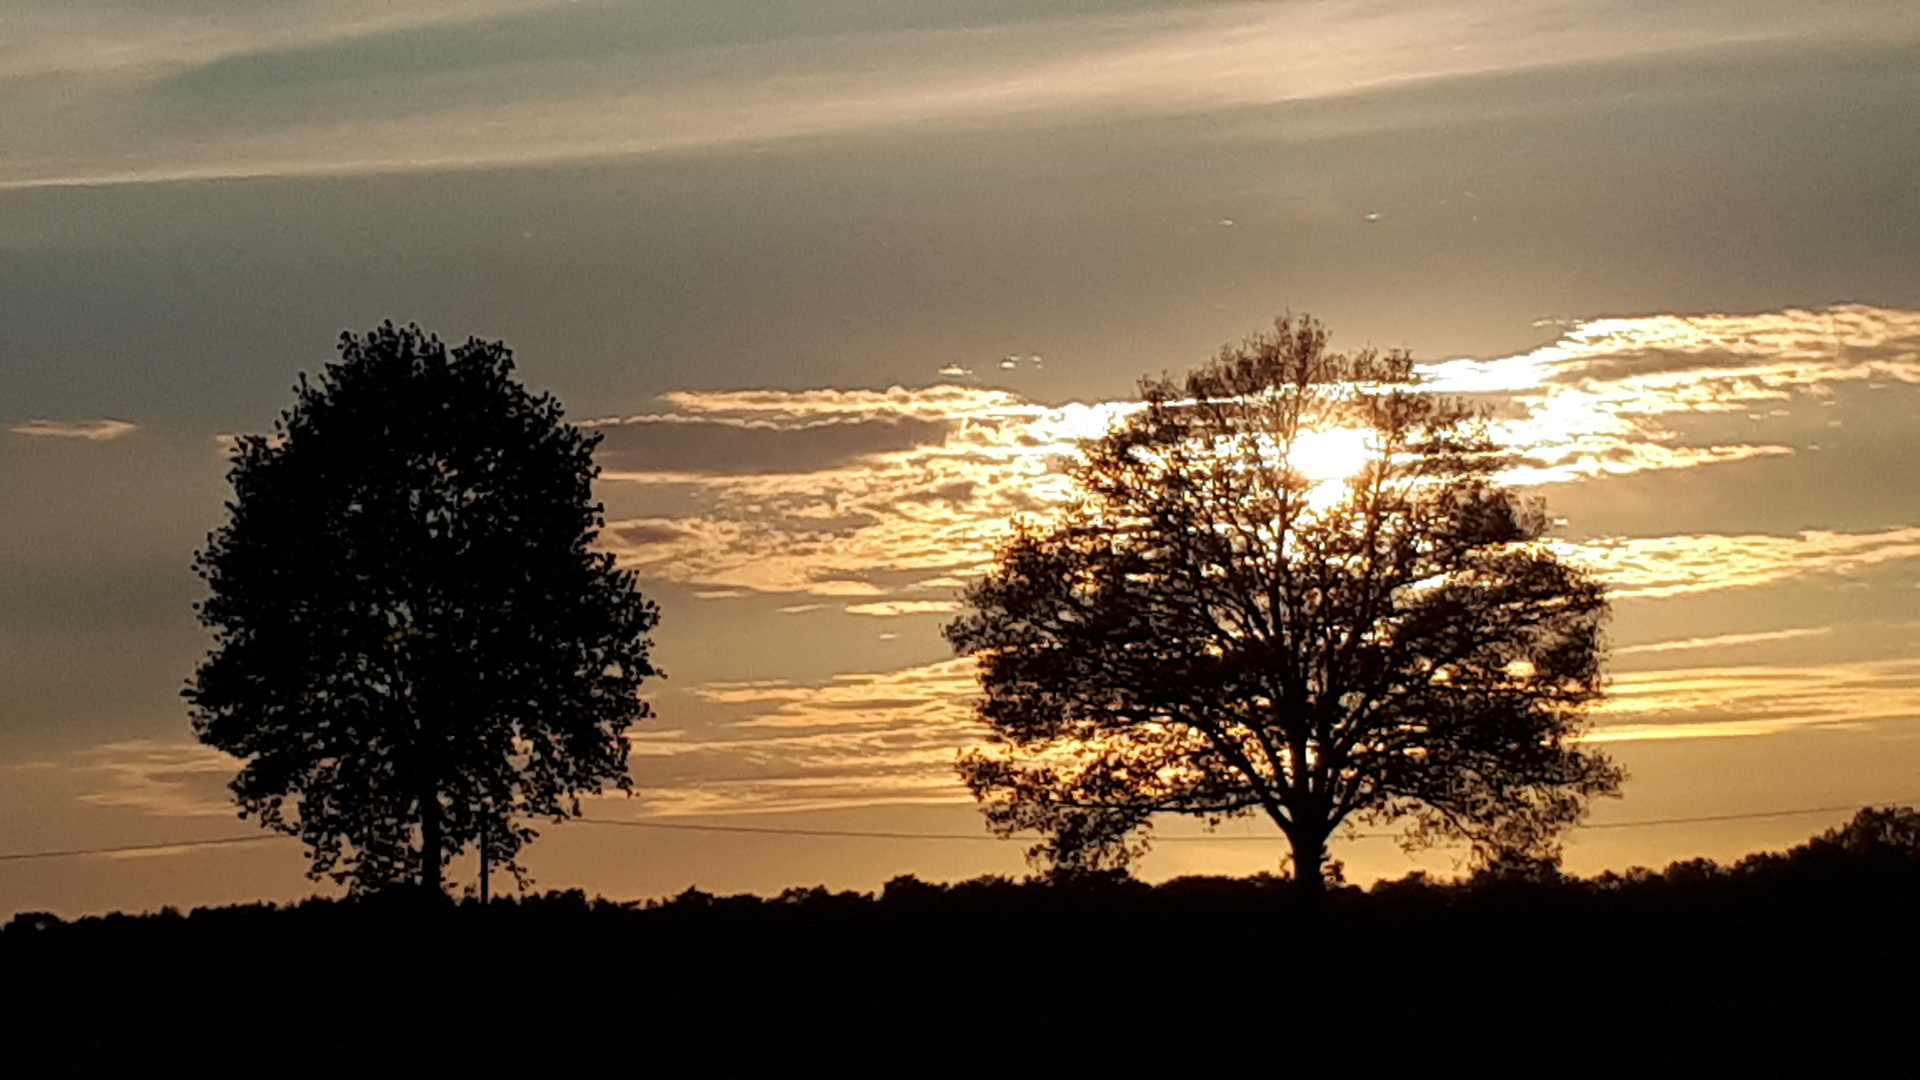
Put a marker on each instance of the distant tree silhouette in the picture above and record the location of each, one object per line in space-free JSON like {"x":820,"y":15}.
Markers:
{"x":1215,"y":628}
{"x":413,"y":641}
{"x":1876,"y":830}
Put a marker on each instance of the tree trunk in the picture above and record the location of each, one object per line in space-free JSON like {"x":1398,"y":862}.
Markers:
{"x":483,"y":861}
{"x":431,"y":842}
{"x":1309,"y":859}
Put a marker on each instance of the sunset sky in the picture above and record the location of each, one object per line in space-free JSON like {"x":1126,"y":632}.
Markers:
{"x":840,"y":280}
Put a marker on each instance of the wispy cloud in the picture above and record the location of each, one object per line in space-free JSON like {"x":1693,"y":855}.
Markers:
{"x":1753,"y":700}
{"x":161,"y":778}
{"x":1672,"y":565}
{"x":697,"y":442}
{"x":853,"y":740}
{"x":100,"y":37}
{"x":91,"y":430}
{"x":938,"y":506}
{"x":935,"y":694}
{"x":837,"y":488}
{"x":1601,"y":400}
{"x":1707,"y":362}
{"x":1723,"y":641}
{"x":891,"y":737}
{"x":156,"y":94}
{"x":888,"y":608}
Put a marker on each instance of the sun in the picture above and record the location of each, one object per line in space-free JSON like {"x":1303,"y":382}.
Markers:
{"x":1328,"y":458}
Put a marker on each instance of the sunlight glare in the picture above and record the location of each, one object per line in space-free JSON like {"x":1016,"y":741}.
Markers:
{"x":1328,"y":459}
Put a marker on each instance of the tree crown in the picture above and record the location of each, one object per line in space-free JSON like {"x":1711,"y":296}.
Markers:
{"x":414,"y":640}
{"x":1289,"y":585}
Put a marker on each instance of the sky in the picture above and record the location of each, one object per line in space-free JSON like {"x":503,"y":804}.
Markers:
{"x":841,"y":281}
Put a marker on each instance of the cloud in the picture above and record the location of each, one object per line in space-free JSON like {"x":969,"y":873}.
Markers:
{"x":700,"y":444}
{"x":802,"y":408}
{"x":161,"y":778}
{"x":825,"y":492}
{"x":888,"y":608}
{"x":119,"y":93}
{"x":1672,"y":565}
{"x":891,"y":737}
{"x":938,"y":693}
{"x":1600,"y":400}
{"x":854,"y":740}
{"x":91,"y":430}
{"x":939,"y":507}
{"x":1753,"y":700}
{"x":1709,"y":361}
{"x":100,"y":37}
{"x":1722,"y":641}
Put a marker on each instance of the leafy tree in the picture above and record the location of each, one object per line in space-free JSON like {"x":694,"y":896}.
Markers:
{"x":1876,"y":830}
{"x":1288,"y":585}
{"x":414,"y":642}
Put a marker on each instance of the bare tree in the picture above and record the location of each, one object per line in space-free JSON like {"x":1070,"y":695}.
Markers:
{"x":1289,"y":585}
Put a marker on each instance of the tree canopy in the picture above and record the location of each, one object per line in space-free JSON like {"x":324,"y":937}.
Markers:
{"x":414,"y":643}
{"x":1288,"y":585}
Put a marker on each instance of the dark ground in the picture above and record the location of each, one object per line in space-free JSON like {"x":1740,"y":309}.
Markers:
{"x":1802,"y":962}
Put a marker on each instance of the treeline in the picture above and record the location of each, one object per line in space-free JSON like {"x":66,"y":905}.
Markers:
{"x":1811,"y":951}
{"x":1877,"y":853}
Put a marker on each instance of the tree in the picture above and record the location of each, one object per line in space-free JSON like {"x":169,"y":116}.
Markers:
{"x":414,"y":641}
{"x":1288,"y":585}
{"x":1887,"y":832}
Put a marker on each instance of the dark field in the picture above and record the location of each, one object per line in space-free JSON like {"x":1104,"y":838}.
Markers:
{"x":1802,"y":962}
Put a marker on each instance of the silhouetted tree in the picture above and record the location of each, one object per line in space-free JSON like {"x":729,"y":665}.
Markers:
{"x":413,"y":640}
{"x":1288,"y":585}
{"x":1877,"y":830}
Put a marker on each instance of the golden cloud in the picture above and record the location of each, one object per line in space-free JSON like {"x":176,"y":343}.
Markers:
{"x":1721,"y":641}
{"x":1592,"y":403}
{"x":1671,"y":565}
{"x":940,"y":508}
{"x":1749,"y":700}
{"x":1596,"y":403}
{"x":90,"y":430}
{"x":161,"y":778}
{"x":853,"y":740}
{"x":888,"y":608}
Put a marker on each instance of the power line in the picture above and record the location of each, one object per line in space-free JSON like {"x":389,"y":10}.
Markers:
{"x":871,"y":834}
{"x":866,"y":834}
{"x":124,"y":848}
{"x":1741,"y":817}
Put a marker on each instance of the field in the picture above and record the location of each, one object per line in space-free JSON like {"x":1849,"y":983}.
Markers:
{"x":1784,"y":962}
